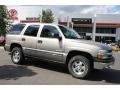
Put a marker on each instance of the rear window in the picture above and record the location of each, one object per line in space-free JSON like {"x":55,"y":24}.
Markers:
{"x":16,"y":29}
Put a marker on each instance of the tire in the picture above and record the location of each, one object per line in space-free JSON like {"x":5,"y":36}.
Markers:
{"x":79,"y":67}
{"x":17,"y":56}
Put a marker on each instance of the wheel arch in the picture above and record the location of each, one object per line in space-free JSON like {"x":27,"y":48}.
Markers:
{"x":75,"y":52}
{"x":14,"y":45}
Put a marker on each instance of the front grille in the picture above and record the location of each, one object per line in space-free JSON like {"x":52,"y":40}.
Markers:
{"x":109,"y":56}
{"x":109,"y":51}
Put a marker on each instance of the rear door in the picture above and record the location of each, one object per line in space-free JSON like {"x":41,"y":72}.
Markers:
{"x":29,"y":39}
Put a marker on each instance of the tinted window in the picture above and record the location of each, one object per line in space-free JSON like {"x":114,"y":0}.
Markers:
{"x":16,"y":29}
{"x":32,"y":30}
{"x":49,"y":31}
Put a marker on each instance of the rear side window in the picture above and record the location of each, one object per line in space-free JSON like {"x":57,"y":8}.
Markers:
{"x":16,"y":29}
{"x":32,"y":30}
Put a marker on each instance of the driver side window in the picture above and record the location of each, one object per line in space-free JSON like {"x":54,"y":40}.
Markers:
{"x":49,"y":32}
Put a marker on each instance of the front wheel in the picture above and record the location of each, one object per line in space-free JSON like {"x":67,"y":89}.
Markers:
{"x":79,"y":66}
{"x":17,"y":56}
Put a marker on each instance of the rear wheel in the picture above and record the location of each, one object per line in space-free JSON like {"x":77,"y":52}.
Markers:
{"x":17,"y":56}
{"x":79,"y":66}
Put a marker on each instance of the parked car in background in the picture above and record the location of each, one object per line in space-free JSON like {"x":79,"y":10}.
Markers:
{"x":108,"y":42}
{"x":114,"y":45}
{"x":2,"y":40}
{"x":118,"y":43}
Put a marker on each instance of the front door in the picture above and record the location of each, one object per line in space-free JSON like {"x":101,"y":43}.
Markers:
{"x":49,"y":46}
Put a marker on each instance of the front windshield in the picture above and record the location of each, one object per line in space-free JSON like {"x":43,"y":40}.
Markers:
{"x":69,"y":33}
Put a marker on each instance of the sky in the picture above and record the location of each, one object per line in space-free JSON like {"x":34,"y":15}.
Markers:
{"x":62,"y":11}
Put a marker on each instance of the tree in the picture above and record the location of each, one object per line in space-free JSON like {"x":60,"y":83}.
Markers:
{"x":3,"y":20}
{"x":47,"y":16}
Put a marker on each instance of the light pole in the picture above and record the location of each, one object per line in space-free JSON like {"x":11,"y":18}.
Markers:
{"x":72,"y":24}
{"x":67,"y":21}
{"x":41,"y":16}
{"x":94,"y":28}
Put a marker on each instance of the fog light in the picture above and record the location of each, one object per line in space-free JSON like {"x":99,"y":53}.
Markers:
{"x":101,"y":54}
{"x":100,"y":57}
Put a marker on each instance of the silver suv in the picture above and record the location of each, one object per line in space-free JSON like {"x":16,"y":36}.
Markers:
{"x":57,"y":43}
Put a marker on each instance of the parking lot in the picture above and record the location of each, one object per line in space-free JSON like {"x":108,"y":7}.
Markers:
{"x":44,"y":73}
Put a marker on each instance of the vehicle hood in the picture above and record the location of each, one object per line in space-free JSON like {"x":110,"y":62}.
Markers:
{"x":92,"y":43}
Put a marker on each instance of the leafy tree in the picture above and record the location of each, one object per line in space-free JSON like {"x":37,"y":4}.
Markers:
{"x":3,"y":20}
{"x":47,"y":16}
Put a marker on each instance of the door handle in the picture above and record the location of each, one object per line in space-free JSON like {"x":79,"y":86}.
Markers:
{"x":39,"y":41}
{"x":23,"y":39}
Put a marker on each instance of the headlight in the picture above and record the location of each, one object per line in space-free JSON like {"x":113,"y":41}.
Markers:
{"x":102,"y":51}
{"x":102,"y":54}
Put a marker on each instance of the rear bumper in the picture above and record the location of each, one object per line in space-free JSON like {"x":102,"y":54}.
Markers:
{"x":104,"y":63}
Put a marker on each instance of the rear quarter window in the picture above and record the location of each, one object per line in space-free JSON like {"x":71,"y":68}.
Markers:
{"x":16,"y":29}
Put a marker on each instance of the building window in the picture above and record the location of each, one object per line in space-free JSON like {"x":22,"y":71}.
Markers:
{"x":106,"y":30}
{"x":104,"y":39}
{"x":83,"y":29}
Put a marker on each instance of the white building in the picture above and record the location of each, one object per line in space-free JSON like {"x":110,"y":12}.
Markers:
{"x":105,"y":26}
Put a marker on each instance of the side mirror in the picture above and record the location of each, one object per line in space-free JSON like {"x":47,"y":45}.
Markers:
{"x":58,"y":36}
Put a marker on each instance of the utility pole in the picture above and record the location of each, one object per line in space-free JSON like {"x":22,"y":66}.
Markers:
{"x":58,"y":21}
{"x":94,"y":28}
{"x":41,"y":16}
{"x":67,"y":21}
{"x":72,"y":24}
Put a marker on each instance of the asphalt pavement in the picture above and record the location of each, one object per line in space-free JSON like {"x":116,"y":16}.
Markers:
{"x":37,"y":72}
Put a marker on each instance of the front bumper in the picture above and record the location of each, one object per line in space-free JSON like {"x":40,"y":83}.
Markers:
{"x":103,"y":64}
